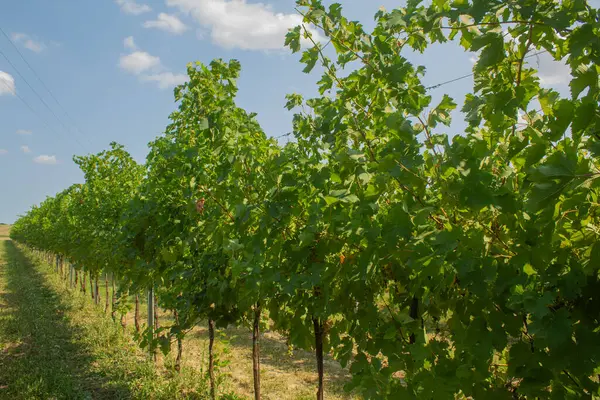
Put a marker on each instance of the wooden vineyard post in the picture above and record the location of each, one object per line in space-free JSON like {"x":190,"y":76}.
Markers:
{"x":256,"y":351}
{"x":83,"y":277}
{"x":211,"y":362}
{"x":106,"y":292}
{"x":156,"y":321}
{"x":136,"y":313}
{"x":179,"y":344}
{"x":92,"y":286}
{"x":97,"y":290}
{"x":113,"y":311}
{"x":70,"y":275}
{"x":318,"y":325}
{"x":124,"y":314}
{"x":151,"y":321}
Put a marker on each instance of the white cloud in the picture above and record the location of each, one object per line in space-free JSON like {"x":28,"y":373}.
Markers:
{"x":554,"y":73}
{"x":165,"y":79}
{"x":148,"y":67}
{"x":238,"y":24}
{"x":550,"y":80}
{"x":131,"y":7}
{"x":7,"y":83}
{"x":3,"y":152}
{"x":24,"y":132}
{"x":129,"y":43}
{"x":45,"y":159}
{"x":201,"y":33}
{"x":550,"y":71}
{"x":25,"y":149}
{"x":138,"y":62}
{"x":166,"y":22}
{"x":28,"y":42}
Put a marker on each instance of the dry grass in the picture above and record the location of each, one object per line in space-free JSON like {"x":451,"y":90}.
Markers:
{"x":4,"y":232}
{"x":284,"y":376}
{"x":55,"y":344}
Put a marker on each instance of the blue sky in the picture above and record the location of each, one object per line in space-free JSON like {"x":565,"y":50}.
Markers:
{"x":112,"y":65}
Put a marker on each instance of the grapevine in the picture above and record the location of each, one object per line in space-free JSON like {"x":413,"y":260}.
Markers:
{"x":432,"y":266}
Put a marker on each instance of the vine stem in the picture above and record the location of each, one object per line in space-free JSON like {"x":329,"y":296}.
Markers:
{"x":526,"y":326}
{"x":574,"y":381}
{"x":427,"y":134}
{"x":414,"y":314}
{"x":520,"y":66}
{"x":211,"y":361}
{"x":227,"y":212}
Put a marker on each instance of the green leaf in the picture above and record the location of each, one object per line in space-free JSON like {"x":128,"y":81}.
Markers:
{"x":310,"y":58}
{"x":396,"y":19}
{"x":584,"y":115}
{"x":350,"y":198}
{"x":595,"y":256}
{"x":365,"y":177}
{"x":292,"y":39}
{"x":585,"y":77}
{"x":492,"y":53}
{"x":203,"y":124}
{"x":330,"y":200}
{"x":547,"y":98}
{"x":441,"y":113}
{"x":563,"y":115}
{"x":528,"y":269}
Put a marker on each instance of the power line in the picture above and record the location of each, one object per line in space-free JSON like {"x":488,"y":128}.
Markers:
{"x":14,"y":91}
{"x":472,"y":73}
{"x":44,"y":85}
{"x":450,"y":81}
{"x":40,"y":97}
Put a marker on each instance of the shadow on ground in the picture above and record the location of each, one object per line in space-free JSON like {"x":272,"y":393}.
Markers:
{"x":41,"y":354}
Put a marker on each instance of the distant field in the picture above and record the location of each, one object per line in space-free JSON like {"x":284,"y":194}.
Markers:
{"x":4,"y":232}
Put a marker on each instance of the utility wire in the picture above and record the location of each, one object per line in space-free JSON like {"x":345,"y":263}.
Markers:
{"x":28,"y":106}
{"x":40,"y":97}
{"x":472,"y":73}
{"x":44,"y":85}
{"x":450,"y":81}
